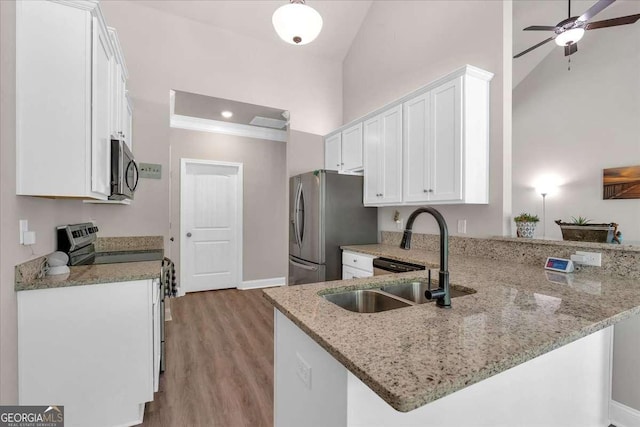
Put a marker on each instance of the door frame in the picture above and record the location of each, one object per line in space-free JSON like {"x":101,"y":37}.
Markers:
{"x":239,"y":214}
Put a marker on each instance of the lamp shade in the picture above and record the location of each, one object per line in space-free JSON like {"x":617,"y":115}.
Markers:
{"x":297,"y":23}
{"x":570,"y":36}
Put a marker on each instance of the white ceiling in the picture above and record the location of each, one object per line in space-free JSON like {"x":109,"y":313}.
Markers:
{"x":342,"y":20}
{"x":550,"y":12}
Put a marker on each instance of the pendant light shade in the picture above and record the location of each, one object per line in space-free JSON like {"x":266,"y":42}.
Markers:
{"x":297,"y":23}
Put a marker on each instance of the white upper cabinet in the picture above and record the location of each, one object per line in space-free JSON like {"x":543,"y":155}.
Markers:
{"x":64,"y":100}
{"x":446,"y":142}
{"x":101,"y":117}
{"x":352,"y":148}
{"x":343,"y":150}
{"x":120,"y":105}
{"x":383,"y":158}
{"x":429,"y":147}
{"x":333,"y":152}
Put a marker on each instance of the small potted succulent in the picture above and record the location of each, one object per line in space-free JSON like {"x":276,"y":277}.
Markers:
{"x":583,"y":230}
{"x":526,"y":225}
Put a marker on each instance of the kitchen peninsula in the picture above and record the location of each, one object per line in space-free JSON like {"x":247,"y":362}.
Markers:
{"x":525,"y":349}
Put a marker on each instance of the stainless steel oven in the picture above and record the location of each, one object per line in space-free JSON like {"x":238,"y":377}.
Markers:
{"x":124,"y":171}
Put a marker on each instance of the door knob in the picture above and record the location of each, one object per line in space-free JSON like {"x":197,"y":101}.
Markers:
{"x":188,"y":234}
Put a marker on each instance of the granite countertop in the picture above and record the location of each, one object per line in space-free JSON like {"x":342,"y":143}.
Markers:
{"x":415,"y":355}
{"x":93,"y":274}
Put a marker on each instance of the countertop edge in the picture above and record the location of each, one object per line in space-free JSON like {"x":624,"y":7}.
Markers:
{"x":403,"y":405}
{"x":68,"y":284}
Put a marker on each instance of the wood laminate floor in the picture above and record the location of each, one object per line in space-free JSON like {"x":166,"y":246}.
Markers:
{"x":219,"y":362}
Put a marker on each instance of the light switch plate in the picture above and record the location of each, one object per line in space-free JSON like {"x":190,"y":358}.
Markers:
{"x":150,"y":170}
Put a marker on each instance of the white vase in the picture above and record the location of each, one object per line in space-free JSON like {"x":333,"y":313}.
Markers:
{"x":526,"y":229}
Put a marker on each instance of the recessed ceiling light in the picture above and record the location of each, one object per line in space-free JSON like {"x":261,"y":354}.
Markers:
{"x":227,"y":114}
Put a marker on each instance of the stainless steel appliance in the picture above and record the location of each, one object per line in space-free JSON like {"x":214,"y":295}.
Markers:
{"x":325,"y":212}
{"x":124,"y":171}
{"x":78,"y":241}
{"x":383,"y":266}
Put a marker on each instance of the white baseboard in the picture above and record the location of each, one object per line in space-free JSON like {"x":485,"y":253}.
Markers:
{"x":263,"y":283}
{"x":623,"y":416}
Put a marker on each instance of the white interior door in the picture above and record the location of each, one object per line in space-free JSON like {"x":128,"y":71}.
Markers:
{"x":211,"y":225}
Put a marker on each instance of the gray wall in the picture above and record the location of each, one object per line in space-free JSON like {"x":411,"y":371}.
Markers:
{"x":403,"y":45}
{"x":264,"y":199}
{"x":305,"y":152}
{"x":572,"y":124}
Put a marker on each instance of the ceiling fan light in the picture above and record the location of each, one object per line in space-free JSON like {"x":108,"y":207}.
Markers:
{"x":297,"y":23}
{"x":568,"y":37}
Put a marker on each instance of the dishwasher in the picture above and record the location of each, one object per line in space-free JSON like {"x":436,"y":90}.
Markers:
{"x":390,"y":266}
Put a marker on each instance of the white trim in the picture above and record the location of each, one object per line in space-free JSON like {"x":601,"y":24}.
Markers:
{"x":263,"y":283}
{"x":216,"y":126}
{"x":623,"y":416}
{"x":239,"y":214}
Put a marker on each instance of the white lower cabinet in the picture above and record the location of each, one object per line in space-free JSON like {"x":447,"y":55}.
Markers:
{"x":383,"y":158}
{"x":356,"y":265}
{"x":89,"y":348}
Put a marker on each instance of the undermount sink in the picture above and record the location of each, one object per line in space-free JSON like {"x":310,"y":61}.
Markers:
{"x":414,"y":291}
{"x":365,"y":301}
{"x":389,"y":297}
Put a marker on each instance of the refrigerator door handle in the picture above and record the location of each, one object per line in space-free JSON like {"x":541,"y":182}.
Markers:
{"x":303,"y":266}
{"x":302,"y":210}
{"x":296,"y":215}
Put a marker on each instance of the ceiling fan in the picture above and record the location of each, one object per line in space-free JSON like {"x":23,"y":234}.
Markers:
{"x":567,"y":33}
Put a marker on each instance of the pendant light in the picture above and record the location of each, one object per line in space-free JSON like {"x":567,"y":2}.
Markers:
{"x":297,"y":23}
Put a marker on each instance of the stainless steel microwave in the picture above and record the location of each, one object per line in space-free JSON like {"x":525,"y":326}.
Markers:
{"x":124,"y":171}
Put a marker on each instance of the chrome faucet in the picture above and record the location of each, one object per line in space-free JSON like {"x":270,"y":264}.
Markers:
{"x":442,"y":294}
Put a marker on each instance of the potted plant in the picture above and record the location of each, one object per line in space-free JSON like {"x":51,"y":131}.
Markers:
{"x":581,"y":229}
{"x":526,"y":225}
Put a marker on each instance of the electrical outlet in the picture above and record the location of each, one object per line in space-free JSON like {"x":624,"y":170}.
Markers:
{"x":303,"y":370}
{"x":399,"y":224}
{"x":591,"y":258}
{"x":462,"y":226}
{"x":24,"y":227}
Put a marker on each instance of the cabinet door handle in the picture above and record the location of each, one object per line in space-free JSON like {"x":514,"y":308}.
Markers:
{"x":188,"y":234}
{"x":355,"y":260}
{"x":342,"y":164}
{"x":426,"y":191}
{"x":430,"y":190}
{"x":338,"y":164}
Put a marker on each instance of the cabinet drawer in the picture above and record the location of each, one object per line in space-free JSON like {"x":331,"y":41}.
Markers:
{"x":357,"y":260}
{"x":349,"y":272}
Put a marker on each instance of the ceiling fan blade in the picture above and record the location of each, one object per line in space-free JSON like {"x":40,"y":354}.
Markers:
{"x":594,"y":10}
{"x":534,"y":47}
{"x":539,"y":28}
{"x":570,"y":49}
{"x":623,"y":20}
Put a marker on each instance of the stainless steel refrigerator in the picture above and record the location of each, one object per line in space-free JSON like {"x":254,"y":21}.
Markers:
{"x":326,"y":212}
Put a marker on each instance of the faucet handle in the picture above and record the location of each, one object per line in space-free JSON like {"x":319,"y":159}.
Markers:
{"x":434,"y":294}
